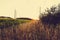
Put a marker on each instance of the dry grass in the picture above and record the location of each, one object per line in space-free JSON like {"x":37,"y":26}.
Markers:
{"x":33,"y":30}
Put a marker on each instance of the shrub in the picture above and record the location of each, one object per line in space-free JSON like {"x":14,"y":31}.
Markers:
{"x":51,"y":16}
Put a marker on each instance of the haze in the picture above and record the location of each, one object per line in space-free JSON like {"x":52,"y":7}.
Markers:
{"x":25,"y":8}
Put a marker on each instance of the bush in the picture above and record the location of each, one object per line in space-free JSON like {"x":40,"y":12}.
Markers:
{"x":51,"y":16}
{"x":8,"y":22}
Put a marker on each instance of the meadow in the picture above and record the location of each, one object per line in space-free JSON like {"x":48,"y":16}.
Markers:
{"x":33,"y":30}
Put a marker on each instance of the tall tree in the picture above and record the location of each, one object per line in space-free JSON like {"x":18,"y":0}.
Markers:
{"x":51,"y":16}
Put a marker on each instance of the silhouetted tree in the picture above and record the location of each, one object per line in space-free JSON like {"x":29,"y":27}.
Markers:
{"x":51,"y":16}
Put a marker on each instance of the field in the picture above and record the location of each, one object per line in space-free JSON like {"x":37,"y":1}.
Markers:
{"x":8,"y":22}
{"x":32,"y":30}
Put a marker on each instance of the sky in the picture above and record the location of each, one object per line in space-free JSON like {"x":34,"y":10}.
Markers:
{"x":25,"y":8}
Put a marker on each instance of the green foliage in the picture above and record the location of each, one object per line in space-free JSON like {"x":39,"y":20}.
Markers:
{"x":9,"y":22}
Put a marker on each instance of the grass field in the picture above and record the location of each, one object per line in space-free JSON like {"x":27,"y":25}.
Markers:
{"x":33,"y":30}
{"x":8,"y":22}
{"x":27,"y":30}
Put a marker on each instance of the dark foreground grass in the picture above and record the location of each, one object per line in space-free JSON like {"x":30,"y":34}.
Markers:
{"x":34,"y":31}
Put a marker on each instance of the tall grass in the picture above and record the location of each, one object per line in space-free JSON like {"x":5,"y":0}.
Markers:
{"x":33,"y":31}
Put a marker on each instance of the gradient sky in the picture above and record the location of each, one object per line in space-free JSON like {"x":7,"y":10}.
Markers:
{"x":25,"y":8}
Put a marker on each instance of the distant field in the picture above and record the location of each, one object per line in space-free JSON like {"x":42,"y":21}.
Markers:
{"x":7,"y":22}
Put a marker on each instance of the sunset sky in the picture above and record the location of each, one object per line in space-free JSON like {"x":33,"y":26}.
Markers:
{"x":25,"y":8}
